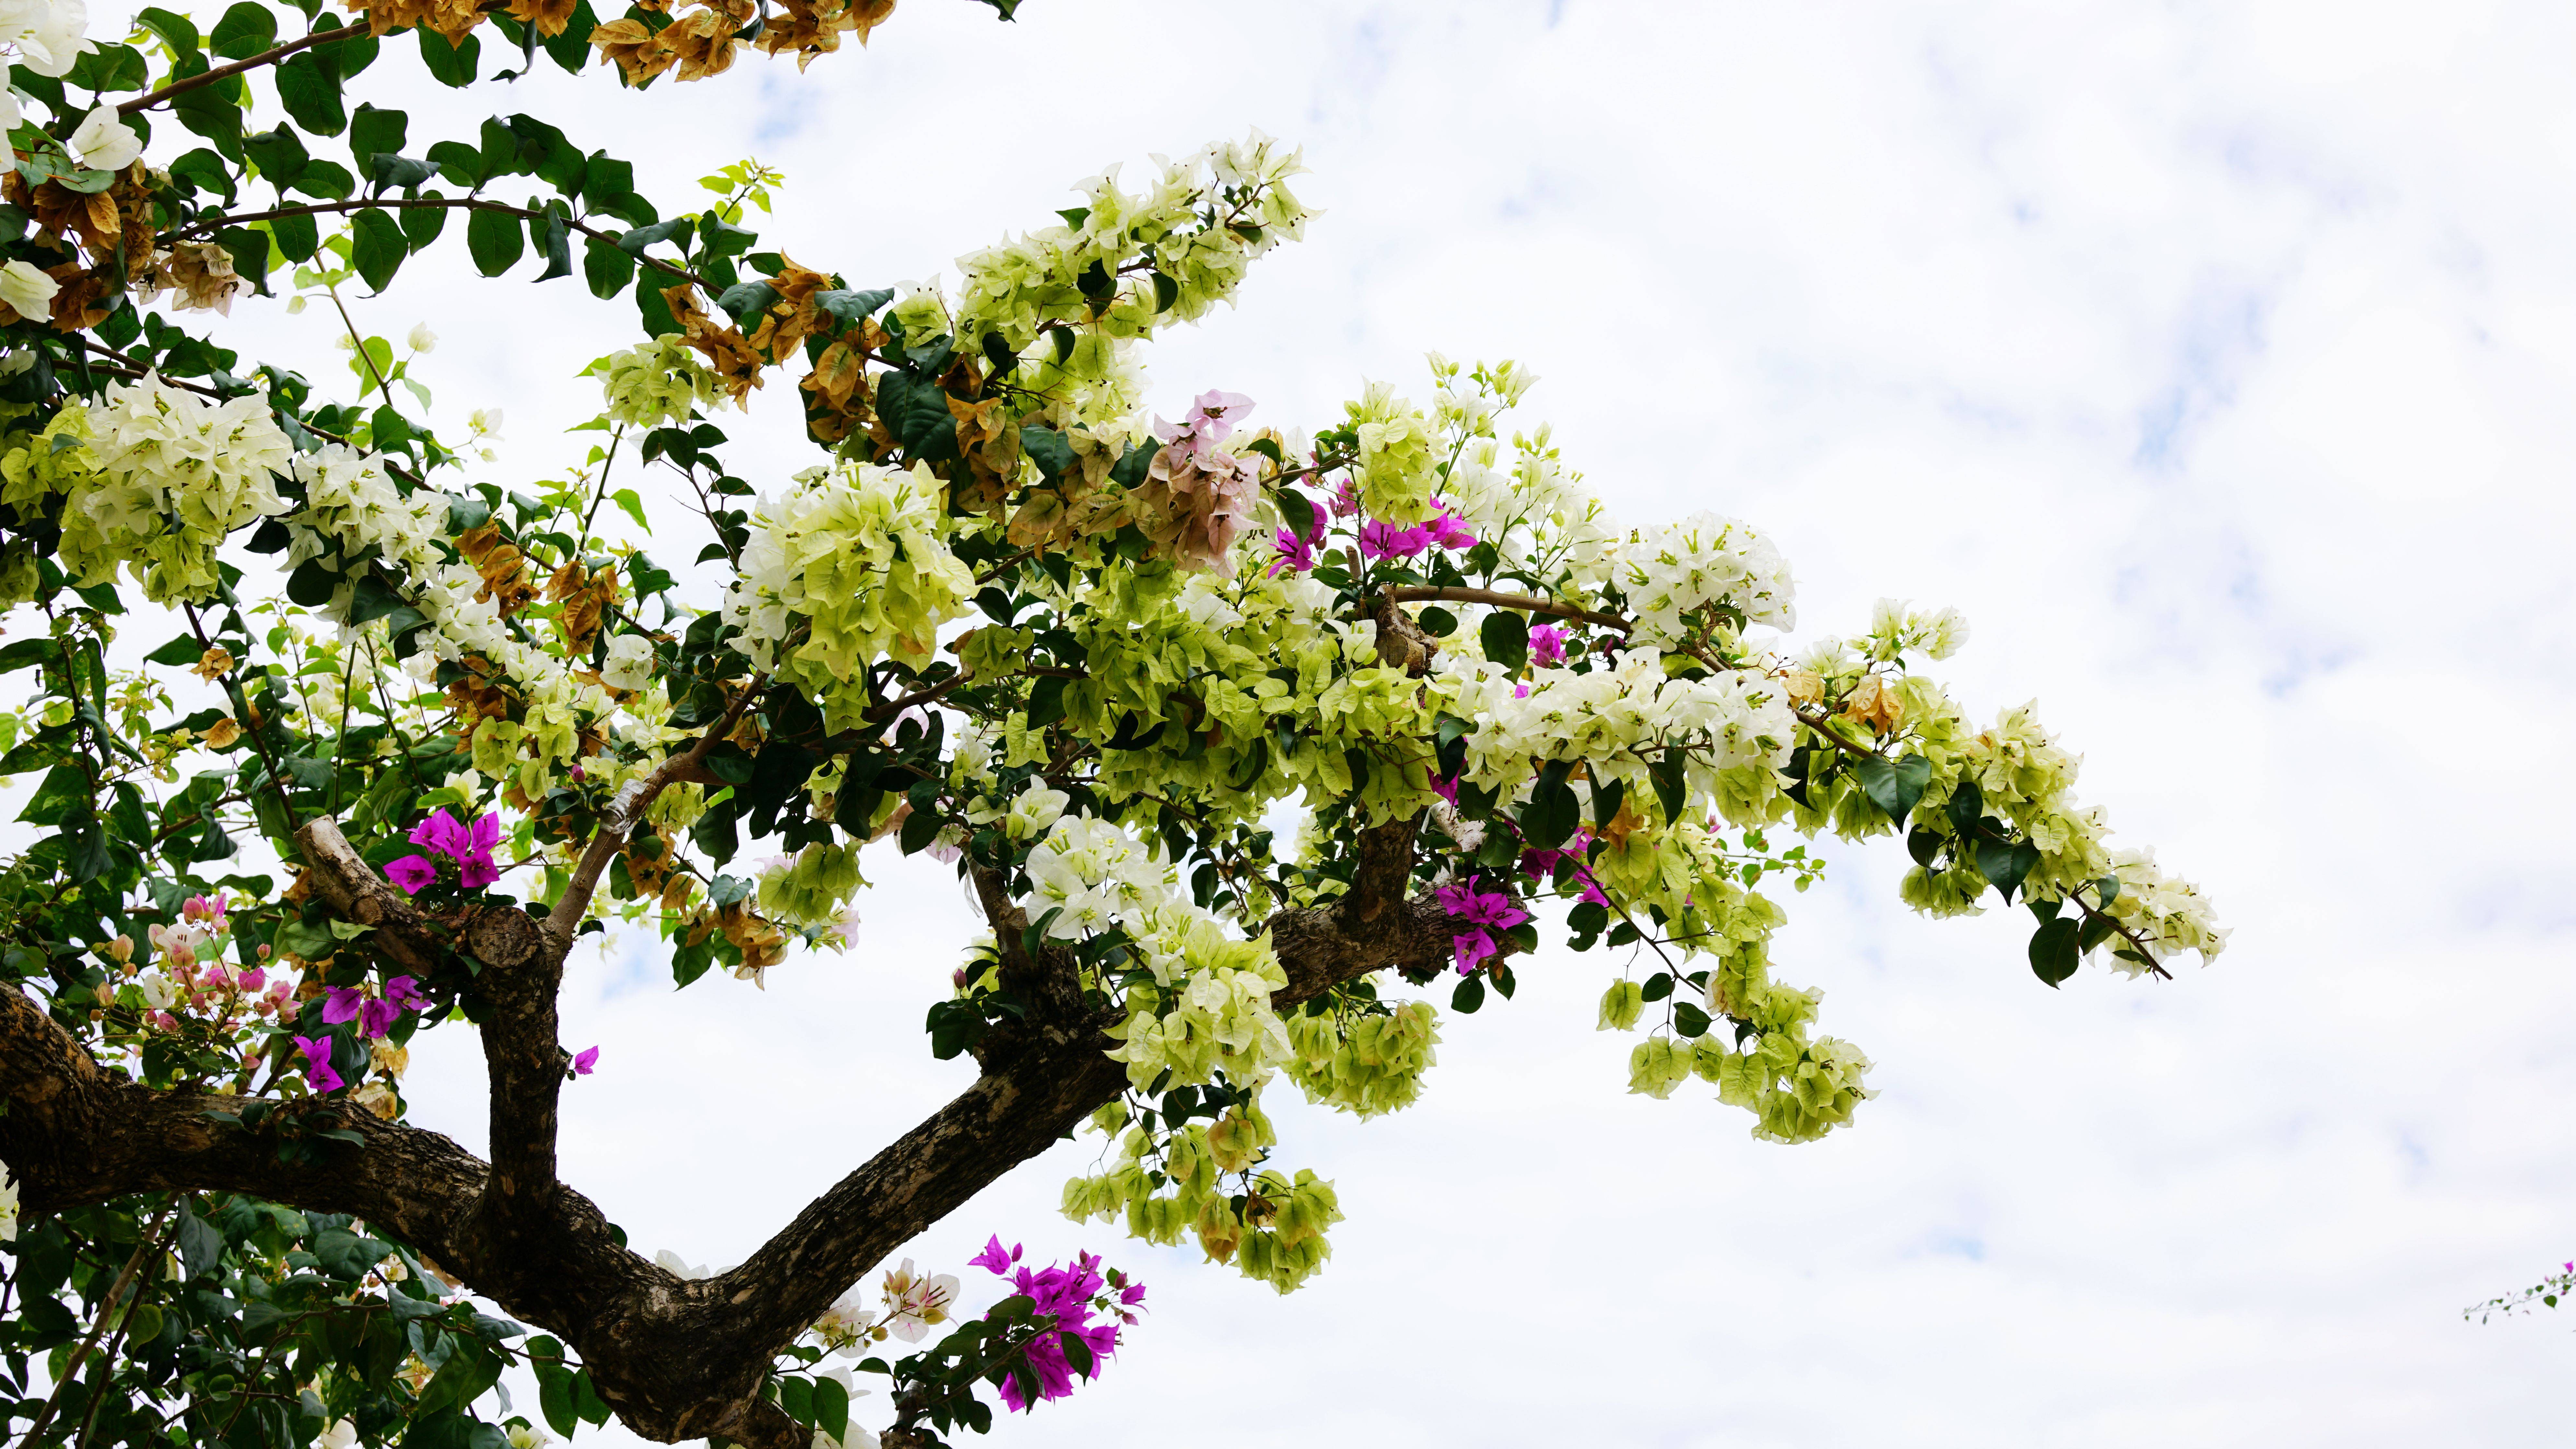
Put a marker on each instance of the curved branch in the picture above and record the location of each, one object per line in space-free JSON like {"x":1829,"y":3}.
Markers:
{"x":227,"y":72}
{"x":1499,"y":600}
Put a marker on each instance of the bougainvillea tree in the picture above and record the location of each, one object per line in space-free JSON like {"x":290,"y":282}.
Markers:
{"x":1258,"y":746}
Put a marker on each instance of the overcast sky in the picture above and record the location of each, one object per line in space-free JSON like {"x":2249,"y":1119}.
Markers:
{"x":2214,"y":358}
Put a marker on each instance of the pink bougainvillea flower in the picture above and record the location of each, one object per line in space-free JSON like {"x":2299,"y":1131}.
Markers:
{"x":1547,"y":645}
{"x":1446,"y":531}
{"x":993,"y":1259}
{"x":413,"y":873}
{"x":583,"y":1064}
{"x":376,"y":1017}
{"x":342,"y":1004}
{"x":1068,"y":1295}
{"x":1381,"y":539}
{"x":443,"y":833}
{"x":317,"y":1063}
{"x":404,"y":992}
{"x":1477,"y":908}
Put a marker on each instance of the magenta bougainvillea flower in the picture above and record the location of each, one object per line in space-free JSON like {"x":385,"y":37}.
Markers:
{"x":584,"y":1063}
{"x":1071,"y":1296}
{"x":468,"y":847}
{"x":1478,"y":908}
{"x":317,"y":1063}
{"x":1547,"y":645}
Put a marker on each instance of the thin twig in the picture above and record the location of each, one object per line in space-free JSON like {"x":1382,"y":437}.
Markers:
{"x":227,"y":72}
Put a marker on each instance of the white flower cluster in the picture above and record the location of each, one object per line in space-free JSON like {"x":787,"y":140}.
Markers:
{"x":176,"y":474}
{"x":654,"y":385}
{"x":1205,"y":218}
{"x":348,"y":497}
{"x":859,"y":555}
{"x":1896,"y":628}
{"x":1089,"y":876}
{"x":353,"y":507}
{"x":1737,"y":727}
{"x":1673,"y":571}
{"x":45,"y":36}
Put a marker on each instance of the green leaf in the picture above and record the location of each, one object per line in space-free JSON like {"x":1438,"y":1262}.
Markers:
{"x":25,"y":652}
{"x":205,"y":170}
{"x":449,"y":65}
{"x":1966,"y":805}
{"x":109,"y":68}
{"x":495,"y":240}
{"x":625,"y":498}
{"x":1047,"y":447}
{"x":1894,"y":786}
{"x":2005,"y":866}
{"x":326,"y":179}
{"x":851,"y":306}
{"x":1553,"y":812}
{"x":246,"y":29}
{"x":2054,"y":950}
{"x":605,"y":269}
{"x":743,"y":299}
{"x":279,"y":154}
{"x":249,"y":251}
{"x":556,"y":240}
{"x":374,"y":132}
{"x":832,"y":1406}
{"x":1506,"y":638}
{"x":458,"y":162}
{"x":918,"y":829}
{"x":1670,"y":772}
{"x":296,"y":237}
{"x":171,"y":26}
{"x":311,"y":94}
{"x":1689,"y":1020}
{"x":1297,"y":511}
{"x":1469,"y":996}
{"x":917,"y":412}
{"x":422,"y":224}
{"x":182,"y":650}
{"x":378,"y":247}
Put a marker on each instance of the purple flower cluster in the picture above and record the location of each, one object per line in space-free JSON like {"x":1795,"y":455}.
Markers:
{"x":1378,"y":539}
{"x":1070,"y":1296}
{"x":375,"y":1015}
{"x":1547,"y":646}
{"x":1479,"y":908}
{"x":468,"y":847}
{"x":317,"y":1063}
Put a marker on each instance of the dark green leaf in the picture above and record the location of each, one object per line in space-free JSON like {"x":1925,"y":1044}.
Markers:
{"x":1894,"y":786}
{"x":451,"y":65}
{"x":495,"y":240}
{"x":1670,"y":772}
{"x":1966,"y":804}
{"x":2054,"y":950}
{"x":1689,"y":1020}
{"x":279,"y":154}
{"x":1506,"y":637}
{"x":1469,"y":996}
{"x":605,"y":269}
{"x":246,"y":29}
{"x":2004,"y":865}
{"x":311,"y":94}
{"x":373,"y":131}
{"x":558,"y":247}
{"x":378,"y":247}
